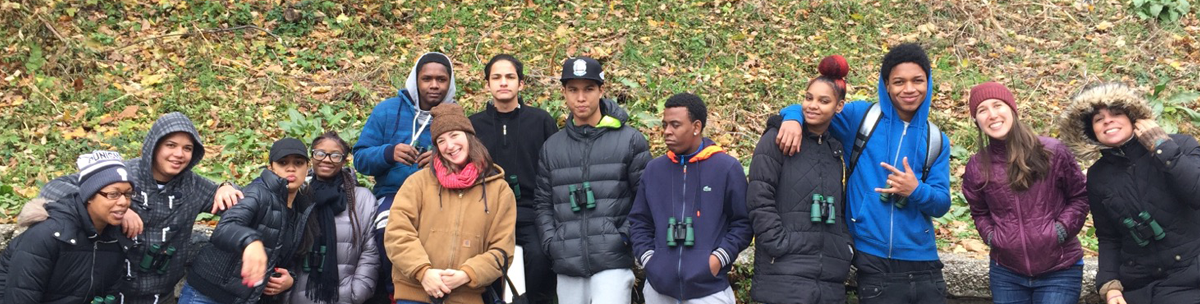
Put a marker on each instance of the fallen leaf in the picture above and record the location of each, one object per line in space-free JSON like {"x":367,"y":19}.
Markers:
{"x":129,"y":112}
{"x":974,"y":245}
{"x":320,"y":90}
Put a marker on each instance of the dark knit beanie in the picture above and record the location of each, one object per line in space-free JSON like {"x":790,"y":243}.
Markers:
{"x":449,"y":117}
{"x":904,"y":53}
{"x":98,"y":170}
{"x":991,"y":90}
{"x":436,"y":58}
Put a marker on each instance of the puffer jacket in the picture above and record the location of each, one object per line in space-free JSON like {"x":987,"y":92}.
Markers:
{"x":63,"y":259}
{"x":262,"y":215}
{"x":1023,"y":228}
{"x":1129,"y":180}
{"x":610,"y":157}
{"x":357,"y":263}
{"x":433,"y":227}
{"x":167,"y":214}
{"x":797,"y":260}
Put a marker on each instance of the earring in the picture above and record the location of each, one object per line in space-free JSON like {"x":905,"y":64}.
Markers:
{"x":695,"y":133}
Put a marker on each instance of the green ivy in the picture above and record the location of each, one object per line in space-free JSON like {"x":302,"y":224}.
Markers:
{"x":1161,"y":10}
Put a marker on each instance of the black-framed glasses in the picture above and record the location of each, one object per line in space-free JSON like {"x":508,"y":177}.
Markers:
{"x":334,"y":157}
{"x":114,"y":195}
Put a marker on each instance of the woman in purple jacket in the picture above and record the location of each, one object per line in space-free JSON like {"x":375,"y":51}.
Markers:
{"x":1029,"y":200}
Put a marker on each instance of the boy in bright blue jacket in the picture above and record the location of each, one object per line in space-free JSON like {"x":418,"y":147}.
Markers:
{"x":689,"y":218}
{"x":890,"y":198}
{"x":395,"y":143}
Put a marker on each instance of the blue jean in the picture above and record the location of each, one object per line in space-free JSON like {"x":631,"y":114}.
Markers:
{"x":190,"y":295}
{"x":1009,"y":287}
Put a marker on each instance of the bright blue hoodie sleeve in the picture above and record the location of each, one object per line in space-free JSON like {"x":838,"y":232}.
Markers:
{"x":373,"y":151}
{"x":932,"y":197}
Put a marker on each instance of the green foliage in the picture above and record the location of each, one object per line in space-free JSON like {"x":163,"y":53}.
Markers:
{"x":1174,"y":110}
{"x":1161,"y":10}
{"x":308,"y":127}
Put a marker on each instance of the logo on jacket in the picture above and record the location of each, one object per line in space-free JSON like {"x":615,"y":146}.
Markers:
{"x":580,"y":67}
{"x":707,"y":189}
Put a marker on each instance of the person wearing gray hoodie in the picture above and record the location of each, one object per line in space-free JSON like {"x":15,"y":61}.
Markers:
{"x":169,"y":196}
{"x":395,"y":143}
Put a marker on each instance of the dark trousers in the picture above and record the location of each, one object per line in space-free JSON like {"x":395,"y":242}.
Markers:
{"x":383,"y":283}
{"x":540,"y":280}
{"x":883,"y":280}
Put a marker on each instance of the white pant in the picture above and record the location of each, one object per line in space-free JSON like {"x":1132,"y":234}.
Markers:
{"x":606,"y":287}
{"x":721,"y":297}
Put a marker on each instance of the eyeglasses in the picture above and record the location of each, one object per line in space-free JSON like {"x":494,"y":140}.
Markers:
{"x":114,"y":195}
{"x":334,"y":157}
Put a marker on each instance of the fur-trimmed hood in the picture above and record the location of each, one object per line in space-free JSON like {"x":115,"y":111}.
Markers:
{"x":1072,"y":125}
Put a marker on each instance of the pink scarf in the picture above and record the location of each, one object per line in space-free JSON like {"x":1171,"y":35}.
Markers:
{"x":465,"y":178}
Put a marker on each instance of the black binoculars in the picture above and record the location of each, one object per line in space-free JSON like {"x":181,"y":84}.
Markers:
{"x":156,"y":259}
{"x":823,"y":210}
{"x":680,"y":231}
{"x":581,"y":196}
{"x":516,"y":188}
{"x":1144,"y":228}
{"x":315,"y":257}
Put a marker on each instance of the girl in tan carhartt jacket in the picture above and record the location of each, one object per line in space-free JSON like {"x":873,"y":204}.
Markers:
{"x":451,"y":226}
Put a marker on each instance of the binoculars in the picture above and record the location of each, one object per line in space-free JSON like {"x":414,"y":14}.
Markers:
{"x":1144,"y":228}
{"x":104,"y":300}
{"x":315,"y":257}
{"x":887,"y":197}
{"x":823,"y":210}
{"x":156,"y":259}
{"x":516,"y":188}
{"x":680,"y":231}
{"x":581,"y":196}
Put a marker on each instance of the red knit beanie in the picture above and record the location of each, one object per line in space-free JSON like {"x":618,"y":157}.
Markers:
{"x":991,"y":90}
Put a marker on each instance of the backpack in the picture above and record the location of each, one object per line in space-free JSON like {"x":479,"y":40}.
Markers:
{"x":867,"y":127}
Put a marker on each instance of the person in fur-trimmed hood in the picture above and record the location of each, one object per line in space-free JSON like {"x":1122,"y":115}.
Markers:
{"x":1142,"y":194}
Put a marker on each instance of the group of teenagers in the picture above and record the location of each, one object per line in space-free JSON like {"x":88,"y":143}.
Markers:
{"x":833,"y":185}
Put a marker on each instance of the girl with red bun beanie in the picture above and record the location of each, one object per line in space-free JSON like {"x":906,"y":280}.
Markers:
{"x":796,"y":203}
{"x":1029,"y":200}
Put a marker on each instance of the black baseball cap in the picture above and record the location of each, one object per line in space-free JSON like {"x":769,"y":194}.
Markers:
{"x":582,"y":68}
{"x":288,"y":146}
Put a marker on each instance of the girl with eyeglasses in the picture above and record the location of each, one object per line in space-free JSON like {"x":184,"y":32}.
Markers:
{"x":342,"y":264}
{"x":75,"y":255}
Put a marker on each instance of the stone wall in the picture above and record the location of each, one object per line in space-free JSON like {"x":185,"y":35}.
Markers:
{"x":966,"y":277}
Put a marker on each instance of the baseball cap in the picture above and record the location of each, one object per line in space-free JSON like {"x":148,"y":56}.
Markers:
{"x":287,"y":146}
{"x":582,"y":68}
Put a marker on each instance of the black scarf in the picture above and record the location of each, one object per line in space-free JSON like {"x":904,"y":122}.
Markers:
{"x":329,"y":199}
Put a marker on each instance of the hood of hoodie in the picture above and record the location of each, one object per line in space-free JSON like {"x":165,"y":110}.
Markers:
{"x":410,"y":86}
{"x":1109,"y":95}
{"x":612,"y":118}
{"x":889,"y":111}
{"x":166,"y":125}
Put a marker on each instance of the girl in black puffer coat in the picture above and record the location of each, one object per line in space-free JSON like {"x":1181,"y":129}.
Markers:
{"x":75,"y":254}
{"x":802,"y":256}
{"x":250,"y":252}
{"x":1143,"y":193}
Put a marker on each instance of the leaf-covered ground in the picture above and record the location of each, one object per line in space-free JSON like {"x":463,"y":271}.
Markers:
{"x":92,"y":74}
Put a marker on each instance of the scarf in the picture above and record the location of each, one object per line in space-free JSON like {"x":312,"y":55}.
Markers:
{"x":329,"y":199}
{"x":464,"y":178}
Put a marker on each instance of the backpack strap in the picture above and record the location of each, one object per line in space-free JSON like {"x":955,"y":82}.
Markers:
{"x":504,"y":272}
{"x":934,"y":139}
{"x":866,"y":128}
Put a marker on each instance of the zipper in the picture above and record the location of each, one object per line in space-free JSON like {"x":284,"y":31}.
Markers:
{"x":504,"y":133}
{"x":892,"y":206}
{"x":1021,"y":227}
{"x":583,"y":212}
{"x":454,"y":236}
{"x":682,"y":214}
{"x":92,"y":272}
